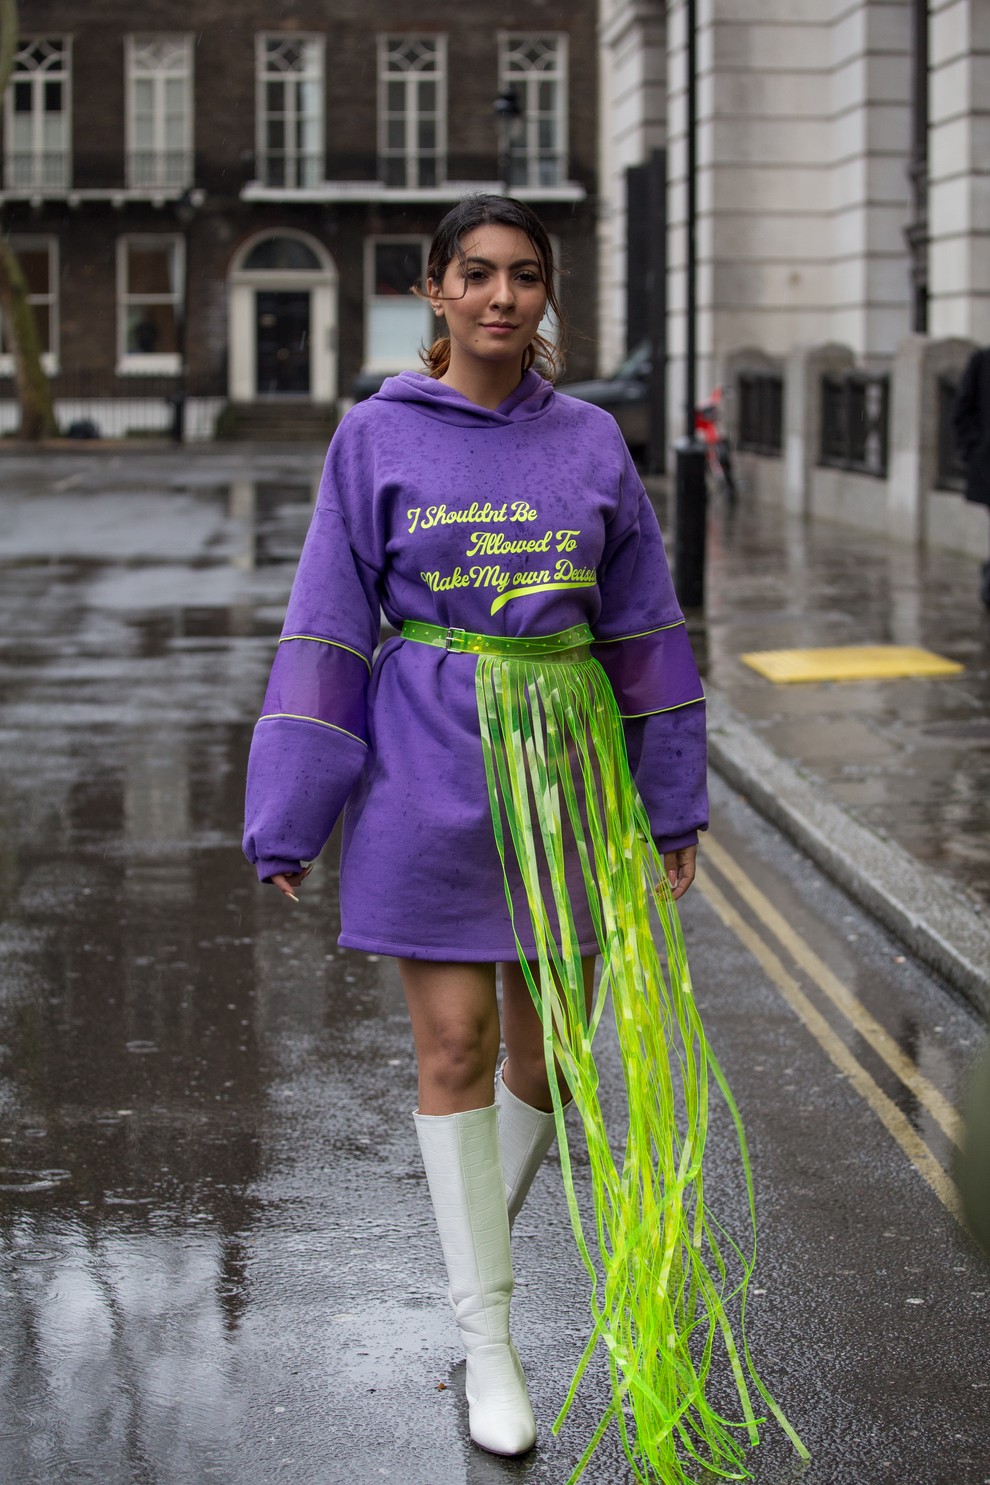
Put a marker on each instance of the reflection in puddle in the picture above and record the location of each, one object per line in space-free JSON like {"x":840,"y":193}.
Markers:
{"x":272,"y":519}
{"x":165,"y":1024}
{"x":23,"y":1182}
{"x":125,"y":1336}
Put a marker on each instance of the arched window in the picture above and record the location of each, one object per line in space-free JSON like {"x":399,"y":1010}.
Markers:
{"x":278,"y":254}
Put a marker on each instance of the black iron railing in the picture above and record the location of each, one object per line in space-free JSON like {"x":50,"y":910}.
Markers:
{"x":951,"y":469}
{"x":99,"y":404}
{"x":855,"y":414}
{"x":41,"y":170}
{"x":59,"y":171}
{"x":300,"y":170}
{"x":761,"y":412}
{"x":164,"y":169}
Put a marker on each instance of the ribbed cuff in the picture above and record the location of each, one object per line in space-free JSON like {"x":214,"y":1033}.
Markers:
{"x":676,"y":842}
{"x":268,"y":869}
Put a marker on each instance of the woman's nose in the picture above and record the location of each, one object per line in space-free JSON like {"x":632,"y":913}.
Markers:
{"x":502,"y":290}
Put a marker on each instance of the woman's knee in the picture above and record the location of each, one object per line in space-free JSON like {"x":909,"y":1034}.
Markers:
{"x":528,"y":1061}
{"x":461,"y":1055}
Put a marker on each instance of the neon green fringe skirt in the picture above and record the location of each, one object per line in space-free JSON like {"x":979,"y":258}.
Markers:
{"x":667,"y":1282}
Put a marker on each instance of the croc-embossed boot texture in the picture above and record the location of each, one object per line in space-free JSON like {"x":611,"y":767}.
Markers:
{"x":464,"y":1169}
{"x":526,"y":1135}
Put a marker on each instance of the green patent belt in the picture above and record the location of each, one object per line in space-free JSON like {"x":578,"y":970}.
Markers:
{"x":462,"y":641}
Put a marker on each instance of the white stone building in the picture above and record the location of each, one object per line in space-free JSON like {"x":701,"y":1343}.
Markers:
{"x":805,"y":152}
{"x":839,"y":199}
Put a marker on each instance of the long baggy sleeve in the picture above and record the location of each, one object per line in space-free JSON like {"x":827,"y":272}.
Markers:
{"x":643,"y":645}
{"x":310,"y":742}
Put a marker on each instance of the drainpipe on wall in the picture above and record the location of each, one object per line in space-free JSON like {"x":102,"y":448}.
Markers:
{"x":916,"y":233}
{"x":691,"y":495}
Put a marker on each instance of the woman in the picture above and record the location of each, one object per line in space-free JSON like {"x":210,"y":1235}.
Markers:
{"x":491,"y":819}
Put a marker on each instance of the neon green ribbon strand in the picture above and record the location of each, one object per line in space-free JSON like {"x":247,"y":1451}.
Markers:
{"x":667,"y":1284}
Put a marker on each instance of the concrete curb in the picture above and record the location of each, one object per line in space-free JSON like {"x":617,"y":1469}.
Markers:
{"x":937,"y":921}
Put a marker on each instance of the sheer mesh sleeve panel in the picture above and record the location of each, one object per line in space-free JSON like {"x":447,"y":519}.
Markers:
{"x":318,"y":680}
{"x":310,"y":742}
{"x":644,"y":648}
{"x":654,"y":672}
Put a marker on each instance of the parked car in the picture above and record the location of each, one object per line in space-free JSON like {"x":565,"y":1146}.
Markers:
{"x":625,"y":394}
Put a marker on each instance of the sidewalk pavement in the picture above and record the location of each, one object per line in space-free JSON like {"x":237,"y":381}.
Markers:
{"x":886,"y":784}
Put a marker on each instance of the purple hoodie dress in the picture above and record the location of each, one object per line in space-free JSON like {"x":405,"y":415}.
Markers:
{"x":521,"y":521}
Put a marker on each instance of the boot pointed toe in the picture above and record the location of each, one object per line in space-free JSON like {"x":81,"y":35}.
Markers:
{"x":501,"y":1416}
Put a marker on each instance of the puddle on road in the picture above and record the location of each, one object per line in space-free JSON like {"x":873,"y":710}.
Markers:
{"x":166,"y":1024}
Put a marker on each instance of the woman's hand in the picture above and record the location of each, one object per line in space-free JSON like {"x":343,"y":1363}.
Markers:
{"x":287,"y":882}
{"x":680,"y":868}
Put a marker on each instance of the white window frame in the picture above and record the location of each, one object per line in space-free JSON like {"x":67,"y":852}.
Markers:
{"x":302,"y":168}
{"x":372,"y":360}
{"x":42,"y":166}
{"x":540,"y":166}
{"x":159,"y":58}
{"x":150,"y":363}
{"x":396,"y":65}
{"x":31,"y":242}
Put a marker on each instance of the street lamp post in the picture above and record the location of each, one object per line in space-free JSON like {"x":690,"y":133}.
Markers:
{"x":508,"y":113}
{"x":185,"y":209}
{"x":690,"y":494}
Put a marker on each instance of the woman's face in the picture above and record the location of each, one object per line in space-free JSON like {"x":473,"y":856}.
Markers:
{"x":493,"y":296}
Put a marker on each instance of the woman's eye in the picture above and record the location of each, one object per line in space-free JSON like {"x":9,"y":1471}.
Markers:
{"x":529,"y":278}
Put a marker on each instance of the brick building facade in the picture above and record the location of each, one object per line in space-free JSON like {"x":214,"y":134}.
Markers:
{"x":234,"y":195}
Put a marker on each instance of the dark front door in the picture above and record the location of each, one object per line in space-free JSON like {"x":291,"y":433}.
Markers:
{"x":283,"y":343}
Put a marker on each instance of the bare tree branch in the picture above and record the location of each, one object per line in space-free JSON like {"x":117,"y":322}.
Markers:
{"x":33,"y":388}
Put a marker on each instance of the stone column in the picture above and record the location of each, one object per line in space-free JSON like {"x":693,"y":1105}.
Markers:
{"x":634,"y":123}
{"x":959,"y":149}
{"x":913,"y":464}
{"x":803,"y":372}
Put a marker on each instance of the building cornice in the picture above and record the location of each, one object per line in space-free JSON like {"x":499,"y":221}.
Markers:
{"x":340,"y":192}
{"x":118,"y":196}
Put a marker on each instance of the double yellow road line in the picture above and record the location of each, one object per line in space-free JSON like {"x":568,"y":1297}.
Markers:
{"x":775,"y":927}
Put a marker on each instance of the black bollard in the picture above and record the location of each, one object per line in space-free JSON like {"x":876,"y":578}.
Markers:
{"x":178,"y":430}
{"x":690,"y":523}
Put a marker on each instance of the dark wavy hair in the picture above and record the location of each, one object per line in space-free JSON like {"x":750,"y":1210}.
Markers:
{"x":495,"y":211}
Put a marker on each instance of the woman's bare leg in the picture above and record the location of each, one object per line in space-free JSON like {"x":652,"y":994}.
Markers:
{"x":454,"y":1015}
{"x":526,"y":1071}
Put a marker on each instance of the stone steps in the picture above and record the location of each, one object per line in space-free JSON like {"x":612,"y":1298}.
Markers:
{"x":264,"y":422}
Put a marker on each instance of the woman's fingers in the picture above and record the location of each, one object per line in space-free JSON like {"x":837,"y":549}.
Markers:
{"x":287,"y":881}
{"x":680,"y":868}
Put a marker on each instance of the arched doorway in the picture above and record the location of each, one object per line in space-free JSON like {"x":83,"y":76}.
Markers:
{"x":282,"y":290}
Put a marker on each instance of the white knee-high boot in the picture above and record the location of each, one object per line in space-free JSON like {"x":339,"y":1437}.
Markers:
{"x":464,"y":1171}
{"x":526,"y":1135}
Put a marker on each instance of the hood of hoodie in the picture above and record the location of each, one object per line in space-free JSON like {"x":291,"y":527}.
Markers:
{"x":531,"y":399}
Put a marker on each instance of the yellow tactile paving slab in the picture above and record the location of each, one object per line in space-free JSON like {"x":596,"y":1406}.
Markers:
{"x":848,"y":663}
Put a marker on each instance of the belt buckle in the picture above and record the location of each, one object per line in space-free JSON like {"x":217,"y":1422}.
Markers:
{"x":454,"y":640}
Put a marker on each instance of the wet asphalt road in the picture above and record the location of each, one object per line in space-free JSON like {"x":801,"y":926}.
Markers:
{"x":217,"y":1258}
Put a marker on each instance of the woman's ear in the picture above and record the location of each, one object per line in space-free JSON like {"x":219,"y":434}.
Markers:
{"x":435,"y":296}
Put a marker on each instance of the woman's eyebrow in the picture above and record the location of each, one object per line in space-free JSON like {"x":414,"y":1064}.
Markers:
{"x":519,"y":263}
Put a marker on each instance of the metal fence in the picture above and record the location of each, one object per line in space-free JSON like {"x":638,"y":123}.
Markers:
{"x":855,"y":416}
{"x":95,"y":404}
{"x":951,"y":469}
{"x":761,"y":412}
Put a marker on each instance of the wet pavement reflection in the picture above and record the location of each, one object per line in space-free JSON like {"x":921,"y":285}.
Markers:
{"x":137,"y":1058}
{"x":216,"y":1259}
{"x":909,"y":758}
